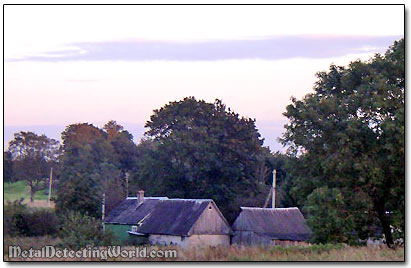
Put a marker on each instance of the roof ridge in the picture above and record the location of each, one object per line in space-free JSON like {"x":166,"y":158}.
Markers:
{"x":257,"y":208}
{"x":188,"y":199}
{"x":146,"y":197}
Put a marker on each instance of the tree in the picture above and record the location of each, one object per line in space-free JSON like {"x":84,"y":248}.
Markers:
{"x":89,"y":169}
{"x":349,"y":134}
{"x":328,"y":217}
{"x":88,"y":165}
{"x":125,"y":151}
{"x":124,"y":147}
{"x":32,"y":156}
{"x":7,"y":167}
{"x":196,"y":149}
{"x":281,"y":163}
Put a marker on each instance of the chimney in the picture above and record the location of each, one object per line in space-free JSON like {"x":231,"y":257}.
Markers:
{"x":140,"y":196}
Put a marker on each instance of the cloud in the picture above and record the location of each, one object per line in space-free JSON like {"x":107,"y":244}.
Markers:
{"x":270,"y":48}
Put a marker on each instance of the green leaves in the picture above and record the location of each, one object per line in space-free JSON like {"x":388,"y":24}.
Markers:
{"x":328,"y":217}
{"x":349,"y":134}
{"x":80,"y":231}
{"x":196,"y":149}
{"x":32,"y":157}
{"x":94,"y":162}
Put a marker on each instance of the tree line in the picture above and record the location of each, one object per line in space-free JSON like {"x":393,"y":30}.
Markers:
{"x":344,"y":166}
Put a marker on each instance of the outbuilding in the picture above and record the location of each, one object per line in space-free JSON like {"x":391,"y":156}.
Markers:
{"x":270,"y":226}
{"x":159,"y":220}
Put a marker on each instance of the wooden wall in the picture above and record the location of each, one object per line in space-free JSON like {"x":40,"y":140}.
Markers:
{"x":211,"y":222}
{"x":250,"y":238}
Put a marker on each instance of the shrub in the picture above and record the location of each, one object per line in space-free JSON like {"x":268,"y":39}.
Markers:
{"x":79,"y":231}
{"x":327,"y":216}
{"x":14,"y":217}
{"x":41,"y":222}
{"x":21,"y":220}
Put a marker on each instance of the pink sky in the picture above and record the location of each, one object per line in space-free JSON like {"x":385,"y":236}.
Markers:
{"x":69,"y":64}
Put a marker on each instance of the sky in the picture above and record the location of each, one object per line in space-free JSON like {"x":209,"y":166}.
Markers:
{"x":72,"y":64}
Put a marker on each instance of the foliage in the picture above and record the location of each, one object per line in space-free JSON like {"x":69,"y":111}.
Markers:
{"x":122,"y":142}
{"x":20,"y":190}
{"x":41,"y":222}
{"x":14,"y":217}
{"x":328,"y":217}
{"x":79,"y":231}
{"x":349,"y":134}
{"x":195,"y":149}
{"x":20,"y":220}
{"x":85,"y":149}
{"x":7,"y":167}
{"x":284,"y":180}
{"x":33,"y":156}
{"x":94,"y":163}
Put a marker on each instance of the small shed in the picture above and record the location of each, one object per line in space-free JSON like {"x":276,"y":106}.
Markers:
{"x":270,"y":226}
{"x":183,"y":222}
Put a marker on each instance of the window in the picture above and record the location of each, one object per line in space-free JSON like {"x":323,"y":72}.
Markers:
{"x":134,"y":229}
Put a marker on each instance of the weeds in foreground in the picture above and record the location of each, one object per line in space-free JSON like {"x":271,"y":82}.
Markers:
{"x":327,"y":252}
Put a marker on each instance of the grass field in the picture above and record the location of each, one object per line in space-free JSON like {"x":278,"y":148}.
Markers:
{"x":234,"y":253}
{"x":20,"y":189}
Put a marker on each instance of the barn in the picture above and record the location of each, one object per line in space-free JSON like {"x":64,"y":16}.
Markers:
{"x":183,"y":222}
{"x":270,"y":226}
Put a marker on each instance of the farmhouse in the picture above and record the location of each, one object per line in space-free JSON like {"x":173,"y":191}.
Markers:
{"x":159,"y":220}
{"x":270,"y":226}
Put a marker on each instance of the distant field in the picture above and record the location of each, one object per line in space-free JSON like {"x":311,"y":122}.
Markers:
{"x":20,"y":189}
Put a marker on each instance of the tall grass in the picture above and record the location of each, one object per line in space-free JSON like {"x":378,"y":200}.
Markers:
{"x":295,"y":253}
{"x":238,"y":253}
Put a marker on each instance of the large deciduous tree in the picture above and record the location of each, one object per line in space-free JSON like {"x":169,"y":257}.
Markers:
{"x":32,"y":156}
{"x":124,"y":148}
{"x":195,"y":149}
{"x":349,"y":135}
{"x":90,"y":168}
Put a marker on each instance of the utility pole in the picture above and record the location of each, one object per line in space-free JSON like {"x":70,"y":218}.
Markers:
{"x":267,"y":200}
{"x":127,"y":175}
{"x":274,"y":186}
{"x":103,"y":204}
{"x":50,"y":182}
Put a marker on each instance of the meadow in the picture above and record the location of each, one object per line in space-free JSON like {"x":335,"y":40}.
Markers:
{"x":20,"y":190}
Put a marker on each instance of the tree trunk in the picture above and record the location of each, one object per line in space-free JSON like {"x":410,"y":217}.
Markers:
{"x":385,"y":222}
{"x":32,"y":192}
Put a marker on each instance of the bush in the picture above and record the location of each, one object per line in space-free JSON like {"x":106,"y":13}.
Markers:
{"x":79,"y":231}
{"x":328,"y":218}
{"x":21,"y":220}
{"x":14,"y":217}
{"x":41,"y":222}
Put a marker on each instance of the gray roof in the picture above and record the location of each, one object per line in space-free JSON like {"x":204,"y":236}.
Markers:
{"x":278,"y":223}
{"x":130,"y":212}
{"x":159,"y":216}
